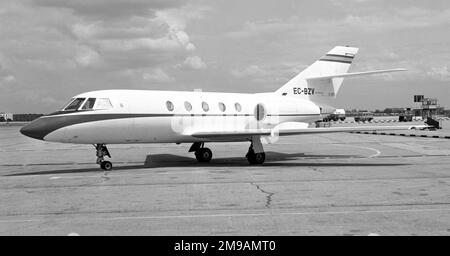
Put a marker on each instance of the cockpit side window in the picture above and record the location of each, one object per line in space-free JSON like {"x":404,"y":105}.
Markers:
{"x":89,"y":104}
{"x":67,"y":104}
{"x":103,"y":103}
{"x":74,"y":105}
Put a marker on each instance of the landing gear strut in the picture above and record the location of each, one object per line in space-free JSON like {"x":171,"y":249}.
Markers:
{"x":102,"y":151}
{"x":202,"y":154}
{"x":257,"y":157}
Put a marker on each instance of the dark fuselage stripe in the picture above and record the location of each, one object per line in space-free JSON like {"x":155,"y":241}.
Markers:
{"x":41,"y":127}
{"x":115,"y":116}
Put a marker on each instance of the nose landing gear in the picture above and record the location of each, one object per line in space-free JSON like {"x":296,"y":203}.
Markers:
{"x":102,"y":151}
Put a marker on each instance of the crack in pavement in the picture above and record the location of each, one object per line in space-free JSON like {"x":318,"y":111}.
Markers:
{"x":268,"y":194}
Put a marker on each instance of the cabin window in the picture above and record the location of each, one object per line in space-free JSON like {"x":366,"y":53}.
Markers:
{"x":89,"y":104}
{"x":103,"y":103}
{"x":187,"y":106}
{"x":222,"y":107}
{"x":169,"y":105}
{"x":238,"y":107}
{"x":75,"y":104}
{"x":260,"y":112}
{"x":205,"y":106}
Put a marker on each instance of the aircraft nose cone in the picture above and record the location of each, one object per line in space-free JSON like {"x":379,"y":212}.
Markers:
{"x":36,"y":129}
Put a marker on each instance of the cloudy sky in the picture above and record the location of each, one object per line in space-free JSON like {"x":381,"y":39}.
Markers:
{"x":51,"y":50}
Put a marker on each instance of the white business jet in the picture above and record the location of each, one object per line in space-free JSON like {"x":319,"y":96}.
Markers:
{"x":144,"y":116}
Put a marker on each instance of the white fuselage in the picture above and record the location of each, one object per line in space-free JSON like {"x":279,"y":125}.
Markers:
{"x":139,"y":116}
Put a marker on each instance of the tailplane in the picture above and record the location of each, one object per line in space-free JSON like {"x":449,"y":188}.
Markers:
{"x":321,"y":81}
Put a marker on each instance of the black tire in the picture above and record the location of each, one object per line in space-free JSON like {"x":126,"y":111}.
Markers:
{"x":255,"y":158}
{"x":106,"y":165}
{"x":260,"y":158}
{"x":203,"y":155}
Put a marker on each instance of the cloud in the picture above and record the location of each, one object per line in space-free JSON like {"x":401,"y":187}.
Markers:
{"x":270,"y":26}
{"x":193,"y":62}
{"x":147,"y":75}
{"x":439,"y":73}
{"x":9,"y":78}
{"x":376,"y":21}
{"x":250,"y":71}
{"x":86,"y":56}
{"x":157,"y":75}
{"x":173,"y":41}
{"x":110,"y":9}
{"x":158,"y":39}
{"x":67,"y":47}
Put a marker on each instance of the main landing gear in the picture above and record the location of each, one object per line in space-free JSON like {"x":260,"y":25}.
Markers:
{"x":255,"y":158}
{"x":255,"y":154}
{"x":202,"y":154}
{"x":102,"y":151}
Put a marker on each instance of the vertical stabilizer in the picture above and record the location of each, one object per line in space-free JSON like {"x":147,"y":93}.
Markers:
{"x":323,"y":91}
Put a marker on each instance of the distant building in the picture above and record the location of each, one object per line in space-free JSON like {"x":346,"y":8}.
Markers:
{"x":6,"y":117}
{"x":26,"y":117}
{"x":429,"y":108}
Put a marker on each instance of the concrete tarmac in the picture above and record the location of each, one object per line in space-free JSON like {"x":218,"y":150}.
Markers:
{"x":328,"y":184}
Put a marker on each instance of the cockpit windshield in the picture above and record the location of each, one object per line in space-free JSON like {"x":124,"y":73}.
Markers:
{"x":74,"y":105}
{"x":89,"y":104}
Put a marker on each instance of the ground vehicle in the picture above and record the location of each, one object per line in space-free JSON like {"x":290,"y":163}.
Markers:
{"x":406,"y":116}
{"x":6,"y":117}
{"x":364,"y":116}
{"x":339,"y":114}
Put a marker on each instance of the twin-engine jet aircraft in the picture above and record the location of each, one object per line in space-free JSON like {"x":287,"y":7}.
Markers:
{"x":143,"y":116}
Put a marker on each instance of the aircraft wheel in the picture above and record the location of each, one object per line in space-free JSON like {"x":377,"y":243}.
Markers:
{"x":203,"y":155}
{"x":106,"y":165}
{"x":260,"y":158}
{"x":255,"y":158}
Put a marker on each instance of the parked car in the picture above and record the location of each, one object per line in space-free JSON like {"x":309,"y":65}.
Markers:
{"x":364,"y":116}
{"x":339,"y":114}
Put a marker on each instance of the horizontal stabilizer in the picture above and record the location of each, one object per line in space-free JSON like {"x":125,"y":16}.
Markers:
{"x":356,"y":74}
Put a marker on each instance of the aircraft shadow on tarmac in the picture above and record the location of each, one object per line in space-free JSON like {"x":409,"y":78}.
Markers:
{"x":273,"y":159}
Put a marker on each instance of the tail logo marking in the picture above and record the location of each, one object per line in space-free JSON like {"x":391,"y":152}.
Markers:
{"x":304,"y":91}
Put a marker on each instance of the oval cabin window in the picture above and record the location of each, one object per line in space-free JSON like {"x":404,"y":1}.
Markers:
{"x":187,"y":106}
{"x":238,"y":107}
{"x":169,"y":105}
{"x":222,"y":107}
{"x":205,"y":106}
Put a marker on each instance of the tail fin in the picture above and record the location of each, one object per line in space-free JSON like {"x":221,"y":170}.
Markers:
{"x":336,"y":61}
{"x":321,"y":81}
